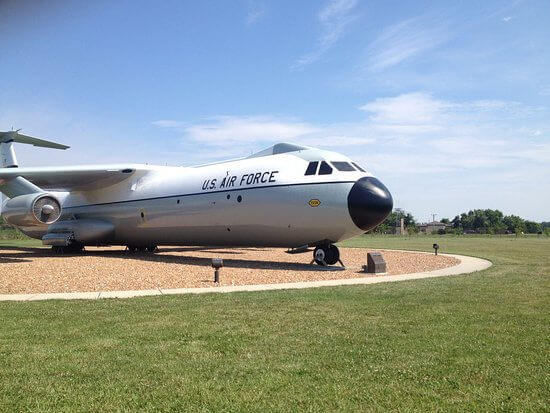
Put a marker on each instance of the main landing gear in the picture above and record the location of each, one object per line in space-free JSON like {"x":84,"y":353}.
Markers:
{"x":327,"y":254}
{"x":72,"y":248}
{"x":142,"y":248}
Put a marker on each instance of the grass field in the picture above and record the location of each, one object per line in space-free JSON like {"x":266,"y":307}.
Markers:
{"x":475,"y":342}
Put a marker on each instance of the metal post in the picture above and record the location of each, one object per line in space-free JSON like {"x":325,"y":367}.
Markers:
{"x":217,"y":263}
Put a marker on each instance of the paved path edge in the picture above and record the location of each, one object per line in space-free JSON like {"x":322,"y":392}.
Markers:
{"x":467,"y":265}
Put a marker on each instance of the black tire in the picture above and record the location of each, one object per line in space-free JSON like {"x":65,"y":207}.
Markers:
{"x":75,"y":248}
{"x":333,"y":255}
{"x":319,"y":255}
{"x":141,"y":249}
{"x":152,"y":248}
{"x":131,"y":248}
{"x":326,"y":255}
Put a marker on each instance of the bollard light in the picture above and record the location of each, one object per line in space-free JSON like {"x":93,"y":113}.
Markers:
{"x":217,"y":263}
{"x":435,"y":247}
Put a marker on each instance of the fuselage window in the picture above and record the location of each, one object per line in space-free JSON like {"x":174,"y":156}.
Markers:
{"x":312,"y":168}
{"x":358,"y":167}
{"x":343,"y":166}
{"x":325,"y":169}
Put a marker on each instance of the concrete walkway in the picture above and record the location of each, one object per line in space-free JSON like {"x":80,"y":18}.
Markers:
{"x":467,"y":265}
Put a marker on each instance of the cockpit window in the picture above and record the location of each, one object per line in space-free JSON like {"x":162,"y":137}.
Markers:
{"x":312,"y":168}
{"x":343,"y":166}
{"x":325,"y":169}
{"x":358,"y":167}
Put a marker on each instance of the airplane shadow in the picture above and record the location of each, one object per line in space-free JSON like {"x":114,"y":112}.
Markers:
{"x":26,"y":254}
{"x":23,"y":254}
{"x":6,"y":260}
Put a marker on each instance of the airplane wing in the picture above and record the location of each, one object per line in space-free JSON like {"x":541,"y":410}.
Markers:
{"x":77,"y":178}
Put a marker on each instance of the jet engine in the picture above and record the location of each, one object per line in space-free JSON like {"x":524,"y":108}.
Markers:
{"x":32,"y":210}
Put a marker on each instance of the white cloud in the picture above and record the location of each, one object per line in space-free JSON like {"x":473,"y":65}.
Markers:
{"x":403,"y":41}
{"x":334,"y":19}
{"x":445,"y":136}
{"x":231,"y":130}
{"x":167,"y":123}
{"x":410,"y":108}
{"x":255,"y":132}
{"x":412,"y":133}
{"x":255,"y":11}
{"x":506,"y":19}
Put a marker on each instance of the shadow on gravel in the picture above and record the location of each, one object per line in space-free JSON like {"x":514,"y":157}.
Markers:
{"x":25,"y":254}
{"x":21,"y":254}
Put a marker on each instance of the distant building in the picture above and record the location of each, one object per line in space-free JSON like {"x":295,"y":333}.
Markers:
{"x":430,"y":227}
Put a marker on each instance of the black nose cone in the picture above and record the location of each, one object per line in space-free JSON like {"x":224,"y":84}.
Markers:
{"x":369,"y":203}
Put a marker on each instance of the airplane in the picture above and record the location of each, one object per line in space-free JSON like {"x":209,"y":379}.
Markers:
{"x":287,"y":195}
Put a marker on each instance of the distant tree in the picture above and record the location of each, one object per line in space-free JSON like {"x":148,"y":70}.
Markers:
{"x":532,"y":227}
{"x":408,"y":220}
{"x":482,"y":221}
{"x":456,"y":222}
{"x":393,"y":220}
{"x":514,"y":223}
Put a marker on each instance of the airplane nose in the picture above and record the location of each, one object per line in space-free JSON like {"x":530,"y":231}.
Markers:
{"x":369,"y":202}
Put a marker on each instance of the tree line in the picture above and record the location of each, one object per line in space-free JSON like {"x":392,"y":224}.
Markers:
{"x":479,"y":221}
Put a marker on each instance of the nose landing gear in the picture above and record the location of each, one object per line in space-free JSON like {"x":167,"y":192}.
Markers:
{"x":326,"y":255}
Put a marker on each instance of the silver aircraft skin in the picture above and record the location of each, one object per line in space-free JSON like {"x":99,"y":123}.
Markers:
{"x":285,"y":196}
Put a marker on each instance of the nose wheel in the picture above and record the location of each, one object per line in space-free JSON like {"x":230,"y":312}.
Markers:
{"x":326,"y":255}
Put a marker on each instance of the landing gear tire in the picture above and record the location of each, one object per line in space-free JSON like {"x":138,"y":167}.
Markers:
{"x":131,"y":248}
{"x":73,"y":248}
{"x":326,"y":255}
{"x":152,"y":248}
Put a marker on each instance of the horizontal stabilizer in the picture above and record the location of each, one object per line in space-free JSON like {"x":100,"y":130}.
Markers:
{"x":15,"y":136}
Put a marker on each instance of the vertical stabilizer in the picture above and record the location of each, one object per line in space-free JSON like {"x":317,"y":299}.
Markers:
{"x":7,"y":155}
{"x":18,"y":185}
{"x":7,"y":152}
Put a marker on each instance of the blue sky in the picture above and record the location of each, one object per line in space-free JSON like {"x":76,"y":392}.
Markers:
{"x":447,"y":102}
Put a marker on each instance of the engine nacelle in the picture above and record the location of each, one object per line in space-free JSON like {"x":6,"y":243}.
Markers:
{"x":32,"y":210}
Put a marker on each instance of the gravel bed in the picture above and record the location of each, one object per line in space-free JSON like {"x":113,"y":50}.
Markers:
{"x":37,"y":270}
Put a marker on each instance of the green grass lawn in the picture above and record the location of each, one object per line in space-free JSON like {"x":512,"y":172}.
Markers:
{"x":474,"y":342}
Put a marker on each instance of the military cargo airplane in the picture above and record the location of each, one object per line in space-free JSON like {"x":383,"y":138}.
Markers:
{"x":287,"y":195}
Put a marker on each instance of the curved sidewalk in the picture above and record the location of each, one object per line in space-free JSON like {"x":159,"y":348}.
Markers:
{"x":466,"y":265}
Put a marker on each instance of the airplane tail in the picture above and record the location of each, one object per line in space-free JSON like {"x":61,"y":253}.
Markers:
{"x":7,"y":152}
{"x":18,"y":185}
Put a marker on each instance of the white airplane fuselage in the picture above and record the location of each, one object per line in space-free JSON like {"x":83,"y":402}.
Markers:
{"x":266,"y":200}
